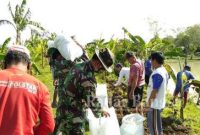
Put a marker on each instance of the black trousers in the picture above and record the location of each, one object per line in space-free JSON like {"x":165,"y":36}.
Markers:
{"x":138,"y":94}
{"x":147,"y":79}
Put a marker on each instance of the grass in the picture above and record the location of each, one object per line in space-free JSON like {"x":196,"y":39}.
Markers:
{"x":191,"y":112}
{"x":191,"y":115}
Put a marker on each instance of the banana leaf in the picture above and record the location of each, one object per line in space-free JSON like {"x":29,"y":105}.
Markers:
{"x":170,"y":71}
{"x":2,"y":57}
{"x":133,"y":38}
{"x":35,"y":68}
{"x":196,"y":83}
{"x":3,"y":47}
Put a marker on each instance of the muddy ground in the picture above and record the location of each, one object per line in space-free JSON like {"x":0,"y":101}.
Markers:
{"x":118,"y":99}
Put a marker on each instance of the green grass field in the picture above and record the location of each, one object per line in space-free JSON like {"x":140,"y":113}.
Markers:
{"x":192,"y":112}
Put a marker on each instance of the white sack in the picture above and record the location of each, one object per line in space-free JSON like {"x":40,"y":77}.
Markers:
{"x":132,"y":124}
{"x":101,"y":94}
{"x":68,"y":48}
{"x":103,"y":126}
{"x":50,"y":44}
{"x":171,"y":86}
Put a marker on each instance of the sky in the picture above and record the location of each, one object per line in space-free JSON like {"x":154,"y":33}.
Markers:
{"x":90,"y":19}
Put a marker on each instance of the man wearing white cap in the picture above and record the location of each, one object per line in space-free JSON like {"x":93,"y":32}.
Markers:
{"x":23,"y":99}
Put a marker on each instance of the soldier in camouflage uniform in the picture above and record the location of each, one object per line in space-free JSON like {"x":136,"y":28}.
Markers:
{"x":60,"y":67}
{"x":78,"y":94}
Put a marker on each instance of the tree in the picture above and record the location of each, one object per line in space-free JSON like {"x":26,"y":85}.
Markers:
{"x":96,"y":43}
{"x":137,"y":43}
{"x":154,"y":27}
{"x":21,"y":18}
{"x":183,"y":40}
{"x":37,"y":45}
{"x":189,"y":40}
{"x":3,"y":50}
{"x":194,"y":33}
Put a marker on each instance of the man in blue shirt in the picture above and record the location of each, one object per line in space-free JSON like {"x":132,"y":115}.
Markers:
{"x":156,"y":94}
{"x":177,"y":90}
{"x":148,"y":70}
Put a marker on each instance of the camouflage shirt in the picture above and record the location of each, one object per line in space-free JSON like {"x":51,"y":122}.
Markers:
{"x":60,"y":69}
{"x":79,"y":92}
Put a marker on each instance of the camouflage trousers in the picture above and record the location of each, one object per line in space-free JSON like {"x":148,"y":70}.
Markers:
{"x":71,"y":129}
{"x":69,"y":124}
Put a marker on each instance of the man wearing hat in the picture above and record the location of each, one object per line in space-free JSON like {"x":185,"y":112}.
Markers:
{"x":79,"y":94}
{"x":23,"y":98}
{"x":189,"y":76}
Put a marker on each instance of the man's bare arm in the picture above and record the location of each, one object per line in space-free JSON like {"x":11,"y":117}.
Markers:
{"x":152,"y":97}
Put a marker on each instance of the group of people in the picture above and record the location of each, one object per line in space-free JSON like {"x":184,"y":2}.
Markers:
{"x":25,"y":107}
{"x":156,"y":77}
{"x":153,"y":73}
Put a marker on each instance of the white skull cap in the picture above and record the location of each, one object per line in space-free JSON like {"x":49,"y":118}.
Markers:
{"x":20,"y":48}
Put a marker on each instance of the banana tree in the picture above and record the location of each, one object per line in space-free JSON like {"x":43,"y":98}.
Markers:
{"x":137,"y":42}
{"x":97,"y":43}
{"x":37,"y":47}
{"x":157,"y":44}
{"x":100,"y":43}
{"x":21,"y":19}
{"x":183,"y":83}
{"x":3,"y":49}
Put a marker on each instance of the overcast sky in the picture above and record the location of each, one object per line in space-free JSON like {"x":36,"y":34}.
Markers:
{"x":89,"y":19}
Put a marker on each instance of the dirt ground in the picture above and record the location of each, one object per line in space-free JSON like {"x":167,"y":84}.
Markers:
{"x":118,"y":99}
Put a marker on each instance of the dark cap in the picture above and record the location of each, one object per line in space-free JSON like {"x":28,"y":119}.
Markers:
{"x":106,"y":58}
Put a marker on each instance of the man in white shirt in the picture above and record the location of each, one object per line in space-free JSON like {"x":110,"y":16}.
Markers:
{"x":121,"y":72}
{"x":156,"y":94}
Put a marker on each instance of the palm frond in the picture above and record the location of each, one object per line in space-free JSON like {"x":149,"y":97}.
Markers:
{"x":36,"y":24}
{"x":5,"y":43}
{"x":112,"y":44}
{"x":17,"y":15}
{"x":135,"y":40}
{"x":23,"y":4}
{"x":2,"y":22}
{"x":27,"y":16}
{"x":22,"y":7}
{"x":11,"y":12}
{"x":24,"y":20}
{"x":2,"y":56}
{"x":35,"y":68}
{"x":141,"y":40}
